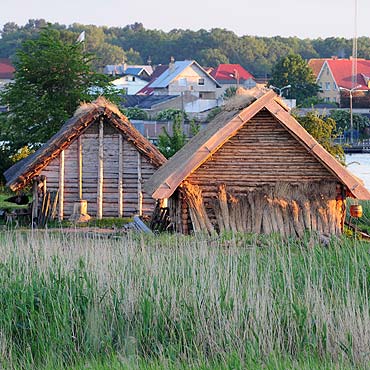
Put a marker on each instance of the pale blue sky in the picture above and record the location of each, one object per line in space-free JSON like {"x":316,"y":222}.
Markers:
{"x":302,"y":18}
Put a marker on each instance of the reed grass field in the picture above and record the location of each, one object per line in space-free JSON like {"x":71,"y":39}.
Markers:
{"x":68,"y":301}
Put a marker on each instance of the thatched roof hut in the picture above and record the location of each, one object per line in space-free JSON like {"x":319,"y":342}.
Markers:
{"x":97,"y":156}
{"x":255,"y":169}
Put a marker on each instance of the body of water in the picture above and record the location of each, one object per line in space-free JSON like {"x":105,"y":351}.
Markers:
{"x":360,"y":167}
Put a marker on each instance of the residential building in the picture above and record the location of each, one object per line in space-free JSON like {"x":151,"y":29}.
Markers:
{"x":130,"y":83}
{"x":233,"y":75}
{"x":198,"y":90}
{"x":6,"y":72}
{"x":337,"y":73}
{"x":143,"y":71}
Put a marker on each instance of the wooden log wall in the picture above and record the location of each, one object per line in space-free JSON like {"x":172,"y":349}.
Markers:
{"x":242,"y":184}
{"x":262,"y":152}
{"x":121,"y":178}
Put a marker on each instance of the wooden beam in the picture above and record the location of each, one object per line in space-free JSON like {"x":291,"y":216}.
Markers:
{"x":120,"y":177}
{"x":79,"y":164}
{"x":35,"y":199}
{"x":61,"y":186}
{"x":99,"y":197}
{"x":139,"y":185}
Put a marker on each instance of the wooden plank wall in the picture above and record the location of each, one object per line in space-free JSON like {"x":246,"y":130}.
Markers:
{"x":261,"y":156}
{"x":90,"y":153}
{"x":262,"y":152}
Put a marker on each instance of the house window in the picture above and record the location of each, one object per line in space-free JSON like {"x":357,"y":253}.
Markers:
{"x":335,"y":86}
{"x":201,"y":81}
{"x":327,"y":85}
{"x":126,"y":78}
{"x":133,"y":78}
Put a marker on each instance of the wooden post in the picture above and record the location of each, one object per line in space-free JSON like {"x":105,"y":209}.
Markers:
{"x":139,"y":181}
{"x":61,"y":186}
{"x":99,"y":198}
{"x":35,"y":199}
{"x":43,"y":179}
{"x":79,"y":159}
{"x":120,"y":181}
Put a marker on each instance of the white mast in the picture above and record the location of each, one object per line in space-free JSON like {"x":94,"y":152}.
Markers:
{"x":354,"y":51}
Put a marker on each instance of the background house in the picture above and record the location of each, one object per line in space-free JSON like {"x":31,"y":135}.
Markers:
{"x":255,"y":169}
{"x":97,"y":157}
{"x":337,"y":73}
{"x":6,"y":72}
{"x":198,"y":90}
{"x":143,"y":71}
{"x":130,"y":83}
{"x":233,"y":75}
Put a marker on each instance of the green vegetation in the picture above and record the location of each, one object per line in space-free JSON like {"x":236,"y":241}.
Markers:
{"x":52,"y":78}
{"x":135,"y":113}
{"x":343,"y":121}
{"x":323,"y":129}
{"x":171,"y":114}
{"x":293,"y":70}
{"x":106,"y":222}
{"x":239,"y":301}
{"x":7,"y":205}
{"x":170,"y":144}
{"x":135,"y":44}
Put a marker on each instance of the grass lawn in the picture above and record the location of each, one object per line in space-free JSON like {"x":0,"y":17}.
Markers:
{"x":176,"y":302}
{"x":8,"y":205}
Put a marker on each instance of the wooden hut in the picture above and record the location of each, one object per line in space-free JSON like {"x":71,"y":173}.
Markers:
{"x":97,"y":159}
{"x":255,"y":169}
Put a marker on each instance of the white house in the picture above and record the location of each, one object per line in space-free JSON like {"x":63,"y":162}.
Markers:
{"x":197,"y":88}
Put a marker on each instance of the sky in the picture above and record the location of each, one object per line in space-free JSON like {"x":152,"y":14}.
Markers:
{"x":302,"y":18}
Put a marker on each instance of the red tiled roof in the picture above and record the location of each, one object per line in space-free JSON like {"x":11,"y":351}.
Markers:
{"x":342,"y":72}
{"x":6,"y":69}
{"x":229,"y":72}
{"x":315,"y":65}
{"x":147,"y":90}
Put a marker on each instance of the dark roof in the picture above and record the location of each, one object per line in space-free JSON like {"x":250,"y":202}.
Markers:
{"x":147,"y":90}
{"x":6,"y":69}
{"x":20,"y":174}
{"x":224,"y":126}
{"x":145,"y":101}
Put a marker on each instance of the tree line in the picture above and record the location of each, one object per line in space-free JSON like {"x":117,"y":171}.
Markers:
{"x":135,"y":44}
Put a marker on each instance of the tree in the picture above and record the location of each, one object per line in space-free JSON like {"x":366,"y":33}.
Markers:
{"x":170,"y":114}
{"x":170,"y":144}
{"x":213,"y":57}
{"x":135,"y":113}
{"x":343,"y":121}
{"x":52,"y":78}
{"x":293,"y":70}
{"x":323,"y":130}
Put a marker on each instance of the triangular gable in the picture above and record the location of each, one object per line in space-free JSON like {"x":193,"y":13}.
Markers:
{"x":22,"y":172}
{"x":165,"y":181}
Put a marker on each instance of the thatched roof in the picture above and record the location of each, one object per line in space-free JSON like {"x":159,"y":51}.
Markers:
{"x":225,"y":125}
{"x":23,"y":171}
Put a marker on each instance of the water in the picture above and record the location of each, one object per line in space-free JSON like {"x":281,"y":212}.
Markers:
{"x":361,"y":168}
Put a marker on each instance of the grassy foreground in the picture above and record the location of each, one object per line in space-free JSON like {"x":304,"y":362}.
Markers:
{"x":174,"y":302}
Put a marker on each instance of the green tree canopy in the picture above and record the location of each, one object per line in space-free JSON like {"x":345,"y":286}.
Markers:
{"x":170,"y":144}
{"x":293,"y":70}
{"x":323,"y":130}
{"x":343,"y":120}
{"x":52,"y":78}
